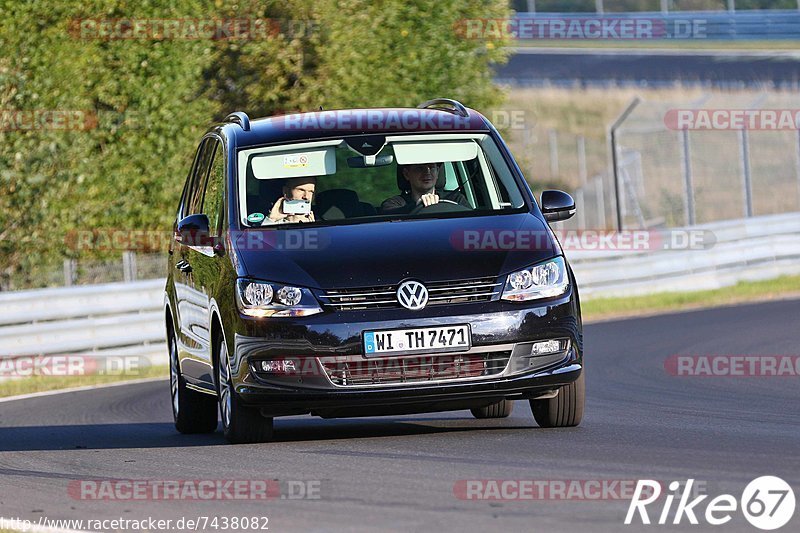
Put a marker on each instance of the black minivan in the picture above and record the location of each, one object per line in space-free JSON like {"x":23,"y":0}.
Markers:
{"x":367,"y":262}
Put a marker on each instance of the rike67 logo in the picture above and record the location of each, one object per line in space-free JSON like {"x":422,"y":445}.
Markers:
{"x":767,"y":502}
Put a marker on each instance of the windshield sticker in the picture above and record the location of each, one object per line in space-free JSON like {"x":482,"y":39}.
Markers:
{"x":295,"y":160}
{"x":255,"y":217}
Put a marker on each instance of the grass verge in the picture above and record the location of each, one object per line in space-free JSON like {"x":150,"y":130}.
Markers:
{"x":743,"y":292}
{"x":14,"y":387}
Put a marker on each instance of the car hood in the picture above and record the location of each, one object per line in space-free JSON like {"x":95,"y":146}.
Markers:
{"x":367,"y":254}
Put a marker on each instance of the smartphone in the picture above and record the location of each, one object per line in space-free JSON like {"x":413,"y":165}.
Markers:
{"x":296,"y":207}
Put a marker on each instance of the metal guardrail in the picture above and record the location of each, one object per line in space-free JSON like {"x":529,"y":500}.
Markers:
{"x":753,"y":25}
{"x":112,"y":319}
{"x":126,"y":319}
{"x":43,"y":305}
{"x":744,"y":250}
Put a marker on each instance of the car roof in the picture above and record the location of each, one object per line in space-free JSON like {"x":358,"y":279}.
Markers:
{"x":298,"y":127}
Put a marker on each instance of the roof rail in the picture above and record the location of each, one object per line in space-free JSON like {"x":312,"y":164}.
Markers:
{"x":240,"y":118}
{"x":451,"y":106}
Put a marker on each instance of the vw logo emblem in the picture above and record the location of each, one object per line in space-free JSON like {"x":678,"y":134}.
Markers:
{"x":412,"y":295}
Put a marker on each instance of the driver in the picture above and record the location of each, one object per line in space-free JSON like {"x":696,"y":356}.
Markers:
{"x":422,"y":190}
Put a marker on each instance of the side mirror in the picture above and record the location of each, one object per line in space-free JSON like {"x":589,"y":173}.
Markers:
{"x":557,"y":205}
{"x":193,"y":231}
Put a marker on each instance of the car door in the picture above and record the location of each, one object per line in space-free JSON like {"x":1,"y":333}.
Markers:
{"x":193,"y":336}
{"x":206,"y":265}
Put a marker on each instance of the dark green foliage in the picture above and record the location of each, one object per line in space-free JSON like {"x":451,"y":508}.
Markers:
{"x":148,"y":101}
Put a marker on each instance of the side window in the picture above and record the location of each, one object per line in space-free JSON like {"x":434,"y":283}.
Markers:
{"x":199,"y":173}
{"x":183,"y":209}
{"x":507,"y":189}
{"x":465,"y":183}
{"x":476,"y":184}
{"x":213,"y":198}
{"x":450,"y":175}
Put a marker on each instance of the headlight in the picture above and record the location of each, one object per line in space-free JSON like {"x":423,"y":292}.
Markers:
{"x":263,"y":299}
{"x":544,"y":280}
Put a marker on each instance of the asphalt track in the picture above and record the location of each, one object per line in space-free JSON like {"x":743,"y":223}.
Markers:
{"x":564,"y":66}
{"x":398,"y":473}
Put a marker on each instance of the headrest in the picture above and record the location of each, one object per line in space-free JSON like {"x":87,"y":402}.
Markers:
{"x":336,"y":201}
{"x":261,"y":194}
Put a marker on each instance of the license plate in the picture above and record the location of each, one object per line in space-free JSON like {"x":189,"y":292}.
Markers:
{"x":417,"y":340}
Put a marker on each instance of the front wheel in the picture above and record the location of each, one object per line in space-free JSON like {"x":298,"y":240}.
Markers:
{"x":565,"y":410}
{"x":501,"y":409}
{"x":193,"y":412}
{"x":241,"y":424}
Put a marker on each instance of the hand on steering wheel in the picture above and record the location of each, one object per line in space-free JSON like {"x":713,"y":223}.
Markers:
{"x":428,"y":199}
{"x":442,"y":206}
{"x":432,"y":198}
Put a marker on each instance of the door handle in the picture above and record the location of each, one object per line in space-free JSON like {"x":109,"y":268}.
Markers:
{"x":184,"y":266}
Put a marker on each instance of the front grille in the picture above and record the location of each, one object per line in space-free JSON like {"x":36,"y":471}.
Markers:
{"x":385,"y":296}
{"x":415,"y":369}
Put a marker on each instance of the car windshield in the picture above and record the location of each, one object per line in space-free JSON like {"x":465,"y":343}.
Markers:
{"x":374,"y":177}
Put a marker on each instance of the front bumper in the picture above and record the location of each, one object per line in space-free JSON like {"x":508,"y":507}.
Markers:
{"x":409,"y":399}
{"x":496,"y":326}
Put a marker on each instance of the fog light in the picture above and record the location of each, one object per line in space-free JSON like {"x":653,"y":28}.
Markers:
{"x":279,"y":366}
{"x":548,"y":347}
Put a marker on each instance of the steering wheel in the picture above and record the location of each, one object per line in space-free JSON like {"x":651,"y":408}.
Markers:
{"x":443,"y":206}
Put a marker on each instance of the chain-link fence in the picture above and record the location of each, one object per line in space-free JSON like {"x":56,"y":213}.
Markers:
{"x":556,"y":157}
{"x":715,"y":159}
{"x":721,"y":156}
{"x":129,"y":266}
{"x":575,"y":163}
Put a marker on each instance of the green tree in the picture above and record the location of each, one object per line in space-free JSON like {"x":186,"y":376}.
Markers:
{"x":140,"y":102}
{"x":146,"y":102}
{"x":400,"y":54}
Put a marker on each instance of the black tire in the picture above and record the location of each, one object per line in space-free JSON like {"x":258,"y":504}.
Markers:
{"x":193,"y":412}
{"x":499,"y":409}
{"x":241,"y":424}
{"x":565,"y":410}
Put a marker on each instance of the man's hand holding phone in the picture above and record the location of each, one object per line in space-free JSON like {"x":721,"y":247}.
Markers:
{"x":286,"y":210}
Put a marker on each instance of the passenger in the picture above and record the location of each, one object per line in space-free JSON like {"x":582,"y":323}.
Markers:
{"x":419,"y":186}
{"x":294,"y":189}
